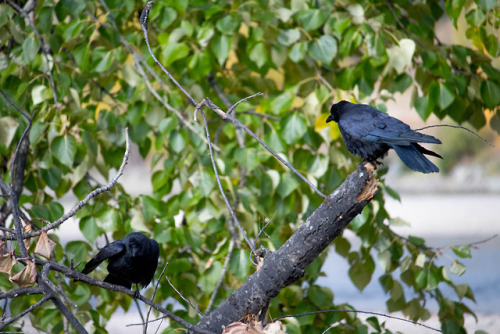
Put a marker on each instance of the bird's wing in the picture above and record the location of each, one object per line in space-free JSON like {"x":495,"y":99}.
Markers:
{"x":114,"y":248}
{"x":386,"y":129}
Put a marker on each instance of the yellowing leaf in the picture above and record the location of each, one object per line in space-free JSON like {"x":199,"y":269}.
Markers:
{"x":116,"y":88}
{"x":321,"y":124}
{"x":45,"y":246}
{"x":100,"y":106}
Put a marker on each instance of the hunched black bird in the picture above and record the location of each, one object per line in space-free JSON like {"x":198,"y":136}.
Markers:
{"x":132,"y":259}
{"x":370,"y":133}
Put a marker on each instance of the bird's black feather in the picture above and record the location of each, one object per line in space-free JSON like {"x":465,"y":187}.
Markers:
{"x":369,"y":133}
{"x":130,"y":260}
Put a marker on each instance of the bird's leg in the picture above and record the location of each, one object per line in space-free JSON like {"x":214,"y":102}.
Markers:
{"x":374,"y":162}
{"x":137,"y":294}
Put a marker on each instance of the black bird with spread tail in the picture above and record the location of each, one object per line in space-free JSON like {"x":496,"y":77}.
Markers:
{"x":132,"y":259}
{"x":370,"y":133}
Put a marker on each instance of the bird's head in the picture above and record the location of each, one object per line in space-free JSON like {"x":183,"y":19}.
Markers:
{"x":336,"y":111}
{"x":135,"y":243}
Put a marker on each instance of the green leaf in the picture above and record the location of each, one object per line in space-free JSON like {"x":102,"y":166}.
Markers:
{"x":385,"y":261}
{"x":239,"y":264}
{"x":462,"y":251}
{"x":64,"y":149}
{"x":311,"y":19}
{"x":228,"y":24}
{"x":475,"y":17}
{"x":446,"y":96}
{"x":80,"y":295}
{"x":453,"y":9}
{"x":287,"y":184}
{"x":422,"y":107}
{"x":432,"y":280}
{"x":393,"y":193}
{"x":294,"y":127}
{"x":259,"y":54}
{"x":52,"y":176}
{"x":282,"y":103}
{"x":490,"y":93}
{"x":108,"y":221}
{"x":321,"y":297}
{"x":6,"y":13}
{"x":149,"y":207}
{"x":210,"y":278}
{"x":207,"y":183}
{"x":177,"y":141}
{"x":104,"y":63}
{"x":38,"y":94}
{"x":457,"y":268}
{"x":361,"y":273}
{"x":8,"y":128}
{"x":288,"y":37}
{"x":487,"y":5}
{"x":88,"y":226}
{"x":298,"y":51}
{"x":220,"y":46}
{"x":30,"y":49}
{"x":77,"y":250}
{"x":324,"y":49}
{"x":173,"y":52}
{"x":204,"y":35}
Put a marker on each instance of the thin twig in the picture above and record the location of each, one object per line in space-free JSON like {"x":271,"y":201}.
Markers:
{"x":223,"y":273}
{"x":230,"y":110}
{"x":91,"y":195}
{"x":144,"y":25}
{"x":210,"y":152}
{"x":15,"y":106}
{"x":456,"y":127}
{"x":358,"y":311}
{"x":136,"y":302}
{"x":43,"y":47}
{"x":197,"y":309}
{"x":22,"y":292}
{"x":168,"y":106}
{"x":5,"y":323}
{"x":145,"y":330}
{"x":255,"y":113}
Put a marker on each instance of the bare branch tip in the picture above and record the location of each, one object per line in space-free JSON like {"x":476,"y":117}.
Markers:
{"x":145,"y":14}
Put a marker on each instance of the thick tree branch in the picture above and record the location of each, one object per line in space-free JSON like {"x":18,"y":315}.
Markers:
{"x":288,"y":263}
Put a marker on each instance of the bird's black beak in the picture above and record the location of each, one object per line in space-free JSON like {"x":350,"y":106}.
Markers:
{"x":329,"y":119}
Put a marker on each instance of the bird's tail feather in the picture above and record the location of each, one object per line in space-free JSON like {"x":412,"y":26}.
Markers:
{"x":414,"y":159}
{"x":423,"y":150}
